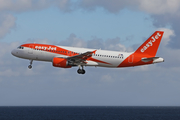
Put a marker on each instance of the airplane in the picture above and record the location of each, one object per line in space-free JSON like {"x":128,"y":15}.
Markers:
{"x":67,"y":57}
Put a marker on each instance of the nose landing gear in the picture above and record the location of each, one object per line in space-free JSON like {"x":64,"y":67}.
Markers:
{"x":81,"y":71}
{"x":30,"y":66}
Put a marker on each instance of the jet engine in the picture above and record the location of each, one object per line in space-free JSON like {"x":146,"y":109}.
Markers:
{"x":60,"y":62}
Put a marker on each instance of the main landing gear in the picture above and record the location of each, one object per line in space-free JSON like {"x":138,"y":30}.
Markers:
{"x":81,"y":71}
{"x":30,"y":66}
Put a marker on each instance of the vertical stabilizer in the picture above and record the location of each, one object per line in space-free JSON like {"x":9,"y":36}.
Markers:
{"x":150,"y":46}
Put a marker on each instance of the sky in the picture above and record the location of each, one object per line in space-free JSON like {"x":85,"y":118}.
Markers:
{"x":107,"y":24}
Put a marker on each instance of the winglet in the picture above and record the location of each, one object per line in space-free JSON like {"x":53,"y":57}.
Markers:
{"x":150,"y":46}
{"x":94,"y":51}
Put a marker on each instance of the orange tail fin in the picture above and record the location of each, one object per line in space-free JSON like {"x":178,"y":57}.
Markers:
{"x":150,"y":46}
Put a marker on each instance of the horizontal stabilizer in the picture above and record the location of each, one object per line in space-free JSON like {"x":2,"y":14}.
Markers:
{"x":154,"y":59}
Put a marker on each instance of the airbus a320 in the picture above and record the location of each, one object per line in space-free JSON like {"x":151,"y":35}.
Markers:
{"x":67,"y":57}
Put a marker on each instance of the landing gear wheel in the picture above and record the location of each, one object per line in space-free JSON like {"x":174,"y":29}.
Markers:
{"x":81,"y":71}
{"x":30,"y":66}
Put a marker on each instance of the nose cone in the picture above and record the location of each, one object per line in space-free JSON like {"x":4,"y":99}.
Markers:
{"x":14,"y":52}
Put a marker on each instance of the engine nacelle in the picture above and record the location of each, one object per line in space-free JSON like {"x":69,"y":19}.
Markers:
{"x":60,"y":62}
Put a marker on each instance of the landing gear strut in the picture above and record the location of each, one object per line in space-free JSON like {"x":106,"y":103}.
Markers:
{"x":81,"y":71}
{"x":30,"y":66}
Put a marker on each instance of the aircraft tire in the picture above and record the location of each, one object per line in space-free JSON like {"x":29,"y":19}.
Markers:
{"x":79,"y":71}
{"x":83,"y":71}
{"x":30,"y":66}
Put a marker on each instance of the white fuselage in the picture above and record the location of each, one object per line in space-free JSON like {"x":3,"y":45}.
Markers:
{"x":108,"y":58}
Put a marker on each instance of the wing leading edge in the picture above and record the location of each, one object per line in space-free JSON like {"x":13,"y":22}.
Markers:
{"x":80,"y":58}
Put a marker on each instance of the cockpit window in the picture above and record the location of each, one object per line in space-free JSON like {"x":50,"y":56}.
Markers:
{"x":20,"y":47}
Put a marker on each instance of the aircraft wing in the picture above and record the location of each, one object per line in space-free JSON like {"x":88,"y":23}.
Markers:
{"x":81,"y":58}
